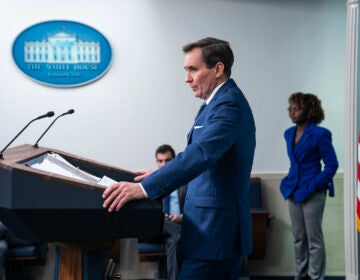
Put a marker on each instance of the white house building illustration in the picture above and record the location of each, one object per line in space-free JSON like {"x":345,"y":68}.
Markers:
{"x":62,"y":48}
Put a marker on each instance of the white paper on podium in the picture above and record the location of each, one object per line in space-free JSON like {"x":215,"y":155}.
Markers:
{"x":106,"y":181}
{"x":55,"y":163}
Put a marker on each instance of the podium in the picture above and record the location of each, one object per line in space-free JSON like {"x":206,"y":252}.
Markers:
{"x":46,"y":207}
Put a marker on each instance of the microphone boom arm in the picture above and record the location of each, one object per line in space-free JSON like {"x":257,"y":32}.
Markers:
{"x":36,"y":144}
{"x":49,"y":114}
{"x":66,"y":113}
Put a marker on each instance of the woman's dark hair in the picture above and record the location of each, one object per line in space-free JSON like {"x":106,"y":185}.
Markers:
{"x":310,"y":103}
{"x":213,"y":51}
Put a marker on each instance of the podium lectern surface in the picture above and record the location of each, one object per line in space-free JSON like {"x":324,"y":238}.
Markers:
{"x":47,"y":207}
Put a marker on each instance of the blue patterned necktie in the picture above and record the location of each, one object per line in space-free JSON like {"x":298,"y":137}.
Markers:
{"x":200,"y":110}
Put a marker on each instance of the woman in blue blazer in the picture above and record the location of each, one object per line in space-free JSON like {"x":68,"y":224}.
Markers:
{"x":306,"y":184}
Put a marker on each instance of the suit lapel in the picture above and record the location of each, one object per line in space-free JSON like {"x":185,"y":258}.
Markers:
{"x":222,"y":89}
{"x":304,"y":137}
{"x":190,"y":134}
{"x":303,"y":141}
{"x":167,"y":204}
{"x":290,"y":146}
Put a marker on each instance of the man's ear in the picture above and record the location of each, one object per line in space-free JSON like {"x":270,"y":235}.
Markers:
{"x":219,"y":68}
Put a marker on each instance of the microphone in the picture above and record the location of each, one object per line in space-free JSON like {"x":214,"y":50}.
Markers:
{"x":63,"y":114}
{"x":48,"y":114}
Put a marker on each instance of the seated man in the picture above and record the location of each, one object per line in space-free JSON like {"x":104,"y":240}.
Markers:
{"x":173,"y":208}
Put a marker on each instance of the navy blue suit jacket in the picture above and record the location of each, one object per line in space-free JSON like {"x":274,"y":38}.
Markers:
{"x":306,"y":174}
{"x":216,"y":164}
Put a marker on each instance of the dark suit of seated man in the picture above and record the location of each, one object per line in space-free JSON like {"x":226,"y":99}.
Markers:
{"x":173,"y":208}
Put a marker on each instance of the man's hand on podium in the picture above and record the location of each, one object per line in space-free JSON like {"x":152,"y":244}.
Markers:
{"x":118,"y":194}
{"x":142,"y":174}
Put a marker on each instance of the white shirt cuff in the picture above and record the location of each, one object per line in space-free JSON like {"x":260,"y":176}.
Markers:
{"x":143,"y":190}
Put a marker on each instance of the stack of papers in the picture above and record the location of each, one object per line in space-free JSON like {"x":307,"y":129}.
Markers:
{"x":55,"y":163}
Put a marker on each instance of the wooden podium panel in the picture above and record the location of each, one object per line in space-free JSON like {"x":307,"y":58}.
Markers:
{"x":47,"y":207}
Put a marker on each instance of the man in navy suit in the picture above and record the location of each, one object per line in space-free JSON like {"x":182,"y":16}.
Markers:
{"x":216,"y":164}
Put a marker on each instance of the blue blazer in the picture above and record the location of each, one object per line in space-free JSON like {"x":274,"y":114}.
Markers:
{"x":216,"y":164}
{"x":306,"y":174}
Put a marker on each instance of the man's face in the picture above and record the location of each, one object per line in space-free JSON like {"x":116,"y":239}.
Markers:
{"x":201,"y":79}
{"x":162,"y":159}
